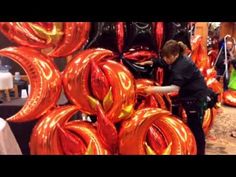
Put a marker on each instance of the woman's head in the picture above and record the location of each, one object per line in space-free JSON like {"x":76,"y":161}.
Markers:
{"x":171,"y":50}
{"x":229,"y":45}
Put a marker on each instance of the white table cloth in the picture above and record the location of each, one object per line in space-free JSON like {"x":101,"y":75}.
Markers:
{"x":8,"y":143}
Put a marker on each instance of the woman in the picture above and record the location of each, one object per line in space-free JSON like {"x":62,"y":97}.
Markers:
{"x":181,"y":75}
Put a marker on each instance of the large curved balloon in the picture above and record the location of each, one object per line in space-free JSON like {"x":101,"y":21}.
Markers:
{"x":209,"y":118}
{"x":159,"y":34}
{"x":199,"y":55}
{"x":91,"y":75}
{"x":213,"y":83}
{"x":134,"y":131}
{"x":60,"y":39}
{"x":75,"y":37}
{"x":44,"y":79}
{"x":54,"y":135}
{"x":24,"y":34}
{"x":89,"y":136}
{"x":229,"y":97}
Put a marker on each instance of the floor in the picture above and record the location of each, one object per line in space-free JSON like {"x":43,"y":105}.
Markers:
{"x":221,"y":139}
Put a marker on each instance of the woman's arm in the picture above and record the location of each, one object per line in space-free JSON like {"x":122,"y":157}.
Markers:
{"x":155,"y":62}
{"x":162,"y":89}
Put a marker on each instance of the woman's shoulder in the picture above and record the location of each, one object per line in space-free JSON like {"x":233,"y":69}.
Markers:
{"x":186,"y":61}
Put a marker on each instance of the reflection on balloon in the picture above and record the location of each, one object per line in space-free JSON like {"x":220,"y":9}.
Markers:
{"x":59,"y":38}
{"x":44,"y":79}
{"x":53,"y":134}
{"x":116,"y":85}
{"x":229,"y":97}
{"x":134,"y":131}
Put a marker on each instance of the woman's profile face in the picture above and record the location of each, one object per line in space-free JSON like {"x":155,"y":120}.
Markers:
{"x":170,"y":59}
{"x":229,"y":45}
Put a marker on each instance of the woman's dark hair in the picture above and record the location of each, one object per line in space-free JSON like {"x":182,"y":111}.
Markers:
{"x":172,"y":47}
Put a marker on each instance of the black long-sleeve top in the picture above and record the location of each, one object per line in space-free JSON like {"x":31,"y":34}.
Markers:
{"x":183,"y":73}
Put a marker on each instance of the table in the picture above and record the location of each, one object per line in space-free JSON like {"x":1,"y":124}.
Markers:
{"x":21,"y":131}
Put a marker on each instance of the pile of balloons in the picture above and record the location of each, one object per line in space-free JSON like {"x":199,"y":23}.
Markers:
{"x":103,"y":79}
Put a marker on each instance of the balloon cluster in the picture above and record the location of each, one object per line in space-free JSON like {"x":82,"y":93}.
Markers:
{"x":97,"y":83}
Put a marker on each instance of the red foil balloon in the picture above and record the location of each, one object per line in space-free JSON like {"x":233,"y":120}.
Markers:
{"x":106,"y":130}
{"x":36,"y":35}
{"x":229,"y":97}
{"x":53,"y":134}
{"x":111,"y":83}
{"x":44,"y":79}
{"x":22,"y":34}
{"x":159,"y":34}
{"x":120,"y":34}
{"x":140,"y":55}
{"x":199,"y":54}
{"x":89,"y":136}
{"x":70,"y":143}
{"x":156,"y":139}
{"x":75,"y":37}
{"x":44,"y":138}
{"x":59,"y":38}
{"x":209,"y":118}
{"x":134,"y":131}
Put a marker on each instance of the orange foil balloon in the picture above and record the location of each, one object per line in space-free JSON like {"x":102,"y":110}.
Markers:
{"x":44,"y":138}
{"x":209,"y":118}
{"x":91,"y":76}
{"x":22,"y":33}
{"x":212,"y":82}
{"x":44,"y":79}
{"x":140,"y":55}
{"x":176,"y":134}
{"x":229,"y":97}
{"x":156,"y":140}
{"x":120,"y":33}
{"x":199,"y":54}
{"x":60,"y":38}
{"x":53,"y":134}
{"x":75,"y":37}
{"x":89,"y":136}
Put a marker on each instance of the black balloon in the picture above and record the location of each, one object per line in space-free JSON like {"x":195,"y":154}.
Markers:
{"x":140,"y":34}
{"x":178,"y":31}
{"x":139,"y":71}
{"x":103,"y":35}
